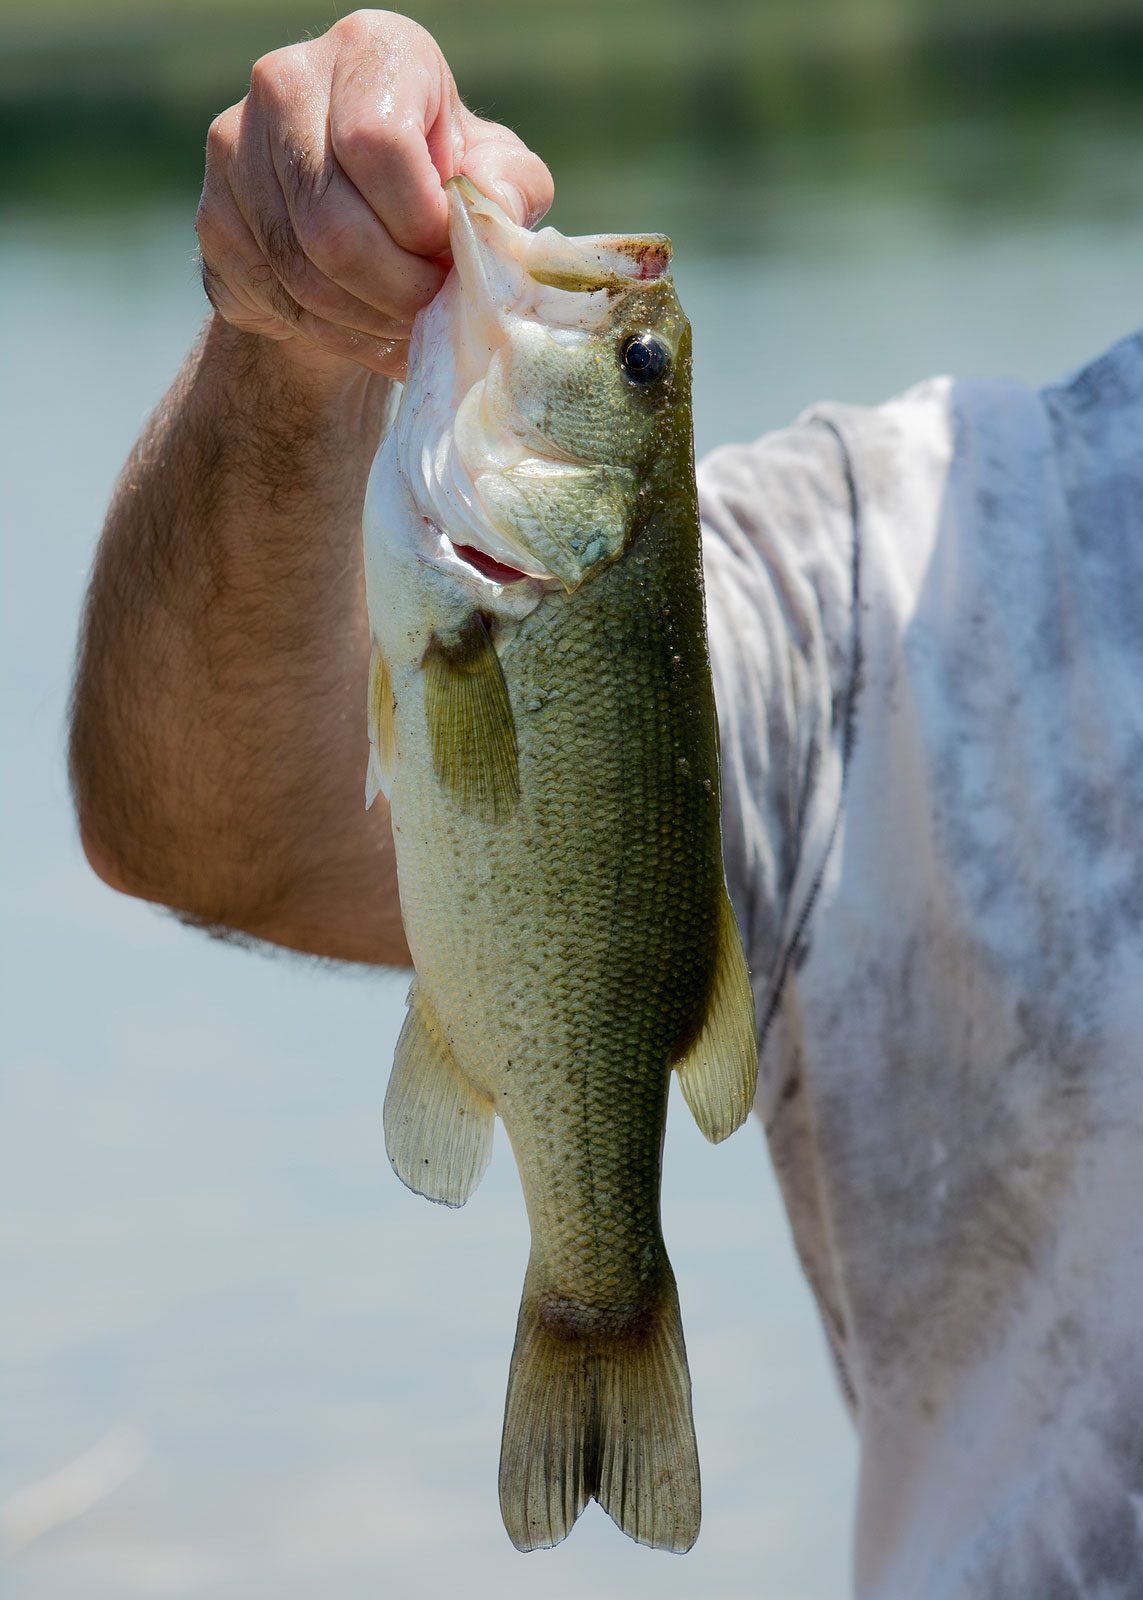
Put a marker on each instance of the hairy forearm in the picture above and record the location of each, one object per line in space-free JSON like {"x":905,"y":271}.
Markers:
{"x":218,"y":742}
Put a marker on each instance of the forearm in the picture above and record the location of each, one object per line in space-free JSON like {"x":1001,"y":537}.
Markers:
{"x":218,"y":740}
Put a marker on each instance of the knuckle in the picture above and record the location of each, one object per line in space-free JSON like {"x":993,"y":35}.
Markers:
{"x":379,"y":27}
{"x":273,"y":73}
{"x":366,"y":136}
{"x":358,"y":24}
{"x":221,"y":137}
{"x":262,"y":76}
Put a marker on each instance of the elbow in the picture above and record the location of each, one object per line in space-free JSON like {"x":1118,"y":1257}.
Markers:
{"x":107,"y":834}
{"x":108,"y":850}
{"x":113,"y":855}
{"x":109,"y":809}
{"x":106,"y":866}
{"x":214,"y":873}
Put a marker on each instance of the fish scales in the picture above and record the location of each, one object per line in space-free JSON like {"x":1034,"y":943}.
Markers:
{"x":554,"y":792}
{"x":608,"y":933}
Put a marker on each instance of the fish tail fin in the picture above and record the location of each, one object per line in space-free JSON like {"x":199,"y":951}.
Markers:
{"x":599,"y":1407}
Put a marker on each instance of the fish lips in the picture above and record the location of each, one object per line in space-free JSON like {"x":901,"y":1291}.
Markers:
{"x":501,"y":265}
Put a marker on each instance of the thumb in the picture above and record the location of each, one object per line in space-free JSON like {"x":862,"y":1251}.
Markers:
{"x":503,"y":168}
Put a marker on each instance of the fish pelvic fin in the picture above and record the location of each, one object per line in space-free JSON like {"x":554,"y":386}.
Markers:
{"x":471,"y":727}
{"x":382,"y":732}
{"x":438,"y":1126}
{"x":599,"y":1407}
{"x":718,"y":1071}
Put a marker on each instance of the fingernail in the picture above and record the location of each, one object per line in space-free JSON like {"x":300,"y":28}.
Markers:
{"x":512,"y":200}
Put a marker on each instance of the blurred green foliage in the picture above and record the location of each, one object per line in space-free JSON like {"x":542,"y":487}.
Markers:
{"x":103,"y":102}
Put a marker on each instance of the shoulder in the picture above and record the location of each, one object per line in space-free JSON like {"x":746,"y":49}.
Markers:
{"x":791,"y":485}
{"x":993,"y":466}
{"x":1104,"y":394}
{"x":1094,"y":419}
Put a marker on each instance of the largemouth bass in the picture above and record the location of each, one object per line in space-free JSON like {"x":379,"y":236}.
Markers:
{"x":542,"y":721}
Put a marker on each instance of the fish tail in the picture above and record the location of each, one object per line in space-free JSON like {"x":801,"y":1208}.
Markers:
{"x":599,"y":1407}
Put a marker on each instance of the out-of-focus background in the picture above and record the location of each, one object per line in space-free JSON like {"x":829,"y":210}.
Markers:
{"x":239,"y":1359}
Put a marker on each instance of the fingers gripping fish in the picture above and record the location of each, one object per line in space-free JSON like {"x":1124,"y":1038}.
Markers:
{"x":542,"y":721}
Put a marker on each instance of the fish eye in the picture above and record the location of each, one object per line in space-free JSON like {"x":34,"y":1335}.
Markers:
{"x":644,"y":358}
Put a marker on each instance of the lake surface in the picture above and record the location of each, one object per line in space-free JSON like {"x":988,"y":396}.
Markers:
{"x":296,"y":1366}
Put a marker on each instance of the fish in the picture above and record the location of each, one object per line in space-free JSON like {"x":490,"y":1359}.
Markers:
{"x":542,"y":722}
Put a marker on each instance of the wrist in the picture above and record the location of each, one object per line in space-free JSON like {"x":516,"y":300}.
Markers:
{"x":299,"y":374}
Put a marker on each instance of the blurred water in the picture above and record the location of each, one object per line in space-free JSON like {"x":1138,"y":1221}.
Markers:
{"x":202,"y":1238}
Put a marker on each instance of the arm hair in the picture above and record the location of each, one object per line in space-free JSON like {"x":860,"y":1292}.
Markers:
{"x":218,"y":745}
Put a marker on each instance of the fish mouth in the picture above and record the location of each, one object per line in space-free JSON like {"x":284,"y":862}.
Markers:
{"x":475,"y":465}
{"x":495,"y":257}
{"x":493,"y":582}
{"x":488,"y":567}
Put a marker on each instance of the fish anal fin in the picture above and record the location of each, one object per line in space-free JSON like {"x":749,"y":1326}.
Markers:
{"x":382,"y":732}
{"x":718,"y":1072}
{"x":438,"y":1126}
{"x":471,"y":728}
{"x":600,"y":1412}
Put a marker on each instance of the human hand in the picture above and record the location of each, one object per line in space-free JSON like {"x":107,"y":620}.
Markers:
{"x":323,"y":221}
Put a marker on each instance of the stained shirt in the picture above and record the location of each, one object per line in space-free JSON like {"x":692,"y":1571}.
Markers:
{"x":926,"y":628}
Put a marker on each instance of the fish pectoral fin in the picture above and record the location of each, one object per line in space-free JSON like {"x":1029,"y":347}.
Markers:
{"x":600,"y":1414}
{"x":719,"y":1070}
{"x":382,"y":732}
{"x":470,"y":722}
{"x":438,"y":1126}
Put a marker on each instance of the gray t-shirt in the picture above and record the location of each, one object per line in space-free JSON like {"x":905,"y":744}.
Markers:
{"x":927,"y":636}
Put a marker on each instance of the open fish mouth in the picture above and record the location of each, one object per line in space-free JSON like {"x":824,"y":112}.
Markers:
{"x":479,"y":461}
{"x":490,"y":570}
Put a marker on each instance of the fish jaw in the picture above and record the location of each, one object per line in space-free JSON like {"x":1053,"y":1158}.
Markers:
{"x":417,"y":578}
{"x":472,"y":439}
{"x":503,"y":265}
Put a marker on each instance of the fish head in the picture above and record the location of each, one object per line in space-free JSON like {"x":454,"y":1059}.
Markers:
{"x":549,"y":382}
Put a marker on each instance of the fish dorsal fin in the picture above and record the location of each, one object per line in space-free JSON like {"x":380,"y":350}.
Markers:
{"x":382,"y":733}
{"x":719,"y":1070}
{"x":438,"y":1127}
{"x":470,"y":722}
